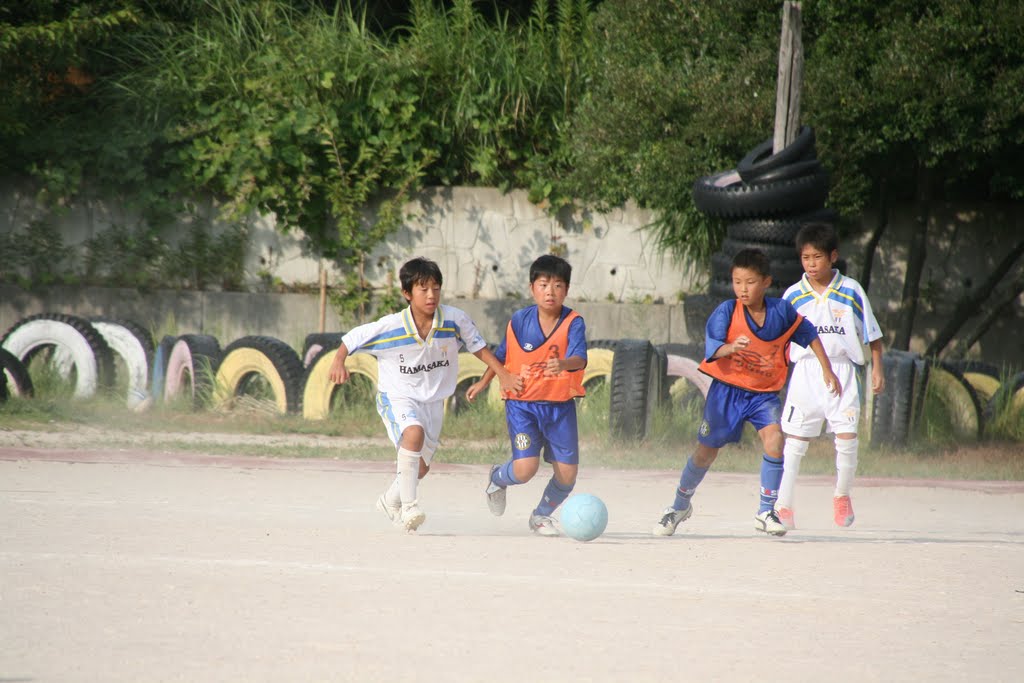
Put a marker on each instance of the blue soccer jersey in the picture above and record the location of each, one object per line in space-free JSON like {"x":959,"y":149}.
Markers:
{"x":543,"y":427}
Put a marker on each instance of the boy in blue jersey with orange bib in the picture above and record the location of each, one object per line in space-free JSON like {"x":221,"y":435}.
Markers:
{"x":746,"y":354}
{"x":545,"y":346}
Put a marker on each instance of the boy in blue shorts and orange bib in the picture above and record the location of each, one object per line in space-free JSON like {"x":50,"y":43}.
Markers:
{"x":746,"y":354}
{"x":545,"y":346}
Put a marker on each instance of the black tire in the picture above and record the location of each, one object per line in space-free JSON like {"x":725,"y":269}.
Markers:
{"x":726,"y":196}
{"x":75,"y":344}
{"x":158,"y":371}
{"x":797,"y":169}
{"x":316,"y":342}
{"x":267,"y":357}
{"x":696,"y":310}
{"x":774,"y":252}
{"x":781,"y":230}
{"x":978,"y":367}
{"x":191,"y":367}
{"x":635,"y":388}
{"x":661,"y":368}
{"x":15,"y":375}
{"x":784,"y":273}
{"x":761,"y":160}
{"x":893,"y":409}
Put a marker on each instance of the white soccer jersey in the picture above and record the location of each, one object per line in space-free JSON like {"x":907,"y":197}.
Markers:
{"x":842,"y":316}
{"x":407,"y":366}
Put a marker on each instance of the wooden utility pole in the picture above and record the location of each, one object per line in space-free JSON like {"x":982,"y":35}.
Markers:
{"x":791,"y":76}
{"x":323,"y":297}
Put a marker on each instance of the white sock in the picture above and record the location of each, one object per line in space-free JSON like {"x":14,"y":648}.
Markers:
{"x":392,"y":497}
{"x":792,"y":453}
{"x":846,"y":464}
{"x":408,"y":475}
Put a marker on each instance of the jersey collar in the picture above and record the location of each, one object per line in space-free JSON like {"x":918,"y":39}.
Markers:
{"x":410,"y":324}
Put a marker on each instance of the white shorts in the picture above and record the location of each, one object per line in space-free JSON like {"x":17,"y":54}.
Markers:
{"x":809,"y":403}
{"x":399,"y":413}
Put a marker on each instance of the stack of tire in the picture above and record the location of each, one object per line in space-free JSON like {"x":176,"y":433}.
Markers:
{"x":766,"y":199}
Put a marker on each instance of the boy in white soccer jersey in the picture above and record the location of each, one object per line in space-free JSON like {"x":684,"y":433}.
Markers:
{"x":841,"y":313}
{"x":417,"y":352}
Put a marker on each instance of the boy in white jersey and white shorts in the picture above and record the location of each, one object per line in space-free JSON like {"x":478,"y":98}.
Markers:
{"x":839,"y":309}
{"x":417,"y":353}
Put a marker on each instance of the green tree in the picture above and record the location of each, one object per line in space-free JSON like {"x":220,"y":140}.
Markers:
{"x":919,"y":101}
{"x":911,"y":100}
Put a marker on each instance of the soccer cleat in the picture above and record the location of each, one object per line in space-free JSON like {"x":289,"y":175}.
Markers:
{"x":670,"y":519}
{"x":412,"y":516}
{"x":785,"y":516}
{"x":542,"y":525}
{"x":769,"y":523}
{"x":392,"y":512}
{"x":842,"y":510}
{"x":495,"y":495}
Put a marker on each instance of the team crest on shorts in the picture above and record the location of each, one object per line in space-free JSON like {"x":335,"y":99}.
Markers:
{"x":522,"y":441}
{"x":705,"y":428}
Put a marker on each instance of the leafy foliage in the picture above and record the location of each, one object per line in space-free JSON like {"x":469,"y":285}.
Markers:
{"x":316,"y":111}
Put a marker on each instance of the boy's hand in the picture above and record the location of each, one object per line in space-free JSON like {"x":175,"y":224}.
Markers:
{"x":877,"y":378}
{"x":475,"y":389}
{"x":338,"y":372}
{"x":510,"y":382}
{"x":832,"y":382}
{"x":741,"y":342}
{"x":553,"y":367}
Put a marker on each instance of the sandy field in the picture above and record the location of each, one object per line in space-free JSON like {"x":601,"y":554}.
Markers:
{"x":153,"y":566}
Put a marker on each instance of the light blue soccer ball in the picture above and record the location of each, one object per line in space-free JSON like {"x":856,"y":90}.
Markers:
{"x":584,"y":517}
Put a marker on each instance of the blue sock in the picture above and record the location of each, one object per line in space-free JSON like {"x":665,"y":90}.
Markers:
{"x":505,"y":476}
{"x":688,"y":481}
{"x":554,"y":494}
{"x":771,"y":477}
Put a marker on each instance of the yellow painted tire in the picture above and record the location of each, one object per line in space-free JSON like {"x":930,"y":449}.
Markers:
{"x":271,"y":359}
{"x":985,"y":385}
{"x":318,"y":390}
{"x":599,"y":365}
{"x":957,"y":396}
{"x":471,"y":369}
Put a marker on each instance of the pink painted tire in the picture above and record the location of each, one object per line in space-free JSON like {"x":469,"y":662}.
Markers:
{"x":191,"y":368}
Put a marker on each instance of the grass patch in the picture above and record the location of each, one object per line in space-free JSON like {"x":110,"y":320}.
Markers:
{"x":474,"y":434}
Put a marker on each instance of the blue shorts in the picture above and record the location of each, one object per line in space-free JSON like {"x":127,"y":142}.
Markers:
{"x":728,"y":407}
{"x":536,"y":426}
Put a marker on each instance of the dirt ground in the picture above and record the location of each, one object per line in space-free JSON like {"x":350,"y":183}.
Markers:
{"x":135,"y":565}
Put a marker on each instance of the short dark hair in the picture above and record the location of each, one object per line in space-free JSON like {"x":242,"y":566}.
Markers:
{"x":418,"y":270}
{"x":550,"y":265}
{"x":818,"y":234}
{"x":752,"y":259}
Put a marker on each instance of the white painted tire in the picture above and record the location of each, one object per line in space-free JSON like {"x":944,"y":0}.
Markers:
{"x":76,"y":345}
{"x":127,"y":344}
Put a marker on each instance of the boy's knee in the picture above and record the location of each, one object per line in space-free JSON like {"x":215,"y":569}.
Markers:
{"x":413,"y":438}
{"x":525,"y":468}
